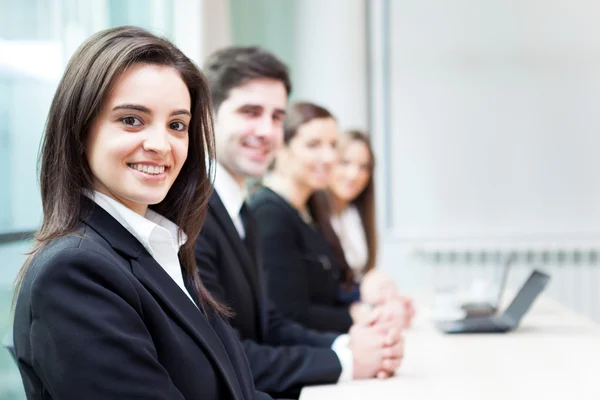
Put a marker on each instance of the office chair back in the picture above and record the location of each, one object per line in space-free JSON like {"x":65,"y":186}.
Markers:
{"x":9,"y":345}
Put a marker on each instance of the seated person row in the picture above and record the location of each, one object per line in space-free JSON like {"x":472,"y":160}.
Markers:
{"x":316,"y":287}
{"x":249,"y":88}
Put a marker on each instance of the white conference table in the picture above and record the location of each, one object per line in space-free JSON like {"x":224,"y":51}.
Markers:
{"x":554,"y":354}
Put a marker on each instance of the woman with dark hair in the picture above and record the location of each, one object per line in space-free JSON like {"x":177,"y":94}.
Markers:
{"x":305,"y":286}
{"x":109,"y":303}
{"x":352,"y":195}
{"x":308,"y":278}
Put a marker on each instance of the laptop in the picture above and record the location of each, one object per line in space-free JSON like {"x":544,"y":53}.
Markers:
{"x":484,"y":309}
{"x":511,"y":317}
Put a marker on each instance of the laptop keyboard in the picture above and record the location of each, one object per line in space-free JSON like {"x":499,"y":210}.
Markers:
{"x":474,"y":324}
{"x":484,"y":323}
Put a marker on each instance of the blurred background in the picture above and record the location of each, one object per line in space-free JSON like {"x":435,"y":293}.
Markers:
{"x":483,"y":116}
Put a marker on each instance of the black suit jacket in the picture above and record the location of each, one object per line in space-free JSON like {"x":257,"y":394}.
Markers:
{"x":283,"y":355}
{"x":303,"y":276}
{"x":98,"y":318}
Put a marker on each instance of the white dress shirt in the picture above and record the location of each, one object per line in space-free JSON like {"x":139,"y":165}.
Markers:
{"x":158,"y":235}
{"x":233,"y":196}
{"x":350,"y":230}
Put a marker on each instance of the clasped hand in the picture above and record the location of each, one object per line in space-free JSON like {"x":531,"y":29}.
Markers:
{"x":377,"y":347}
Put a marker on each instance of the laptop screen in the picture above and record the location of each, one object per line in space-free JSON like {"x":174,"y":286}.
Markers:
{"x":534,"y":285}
{"x":503,"y":279}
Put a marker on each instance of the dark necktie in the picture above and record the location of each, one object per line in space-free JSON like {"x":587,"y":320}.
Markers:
{"x":249,"y":230}
{"x":250,"y":240}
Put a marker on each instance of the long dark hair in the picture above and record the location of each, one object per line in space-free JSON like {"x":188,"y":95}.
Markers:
{"x":365,"y":201}
{"x":318,"y":203}
{"x":64,"y":172}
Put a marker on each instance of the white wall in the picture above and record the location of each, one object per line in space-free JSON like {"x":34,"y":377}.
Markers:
{"x":330,"y":58}
{"x":490,"y":133}
{"x":494,"y":118}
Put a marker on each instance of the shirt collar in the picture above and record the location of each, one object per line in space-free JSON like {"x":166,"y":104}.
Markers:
{"x":229,"y":190}
{"x":140,"y":227}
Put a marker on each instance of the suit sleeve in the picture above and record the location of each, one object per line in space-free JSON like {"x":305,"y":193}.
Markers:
{"x":88,"y":338}
{"x":286,"y":369}
{"x":277,"y":368}
{"x":288,"y":282}
{"x":285,"y":331}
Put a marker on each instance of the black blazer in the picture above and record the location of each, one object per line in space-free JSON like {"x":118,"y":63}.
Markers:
{"x":98,"y":318}
{"x":283,"y":355}
{"x":303,"y":276}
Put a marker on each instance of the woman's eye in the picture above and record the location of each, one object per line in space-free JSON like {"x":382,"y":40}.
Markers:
{"x":131,"y":121}
{"x":178,"y":126}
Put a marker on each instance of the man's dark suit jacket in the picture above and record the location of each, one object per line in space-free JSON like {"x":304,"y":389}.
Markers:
{"x":305,"y":287}
{"x":98,"y":318}
{"x":283,"y":355}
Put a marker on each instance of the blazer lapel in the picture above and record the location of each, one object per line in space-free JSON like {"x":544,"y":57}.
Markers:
{"x":249,"y":261}
{"x":157,"y":281}
{"x":246,"y":259}
{"x":168,"y":293}
{"x":261,"y":292}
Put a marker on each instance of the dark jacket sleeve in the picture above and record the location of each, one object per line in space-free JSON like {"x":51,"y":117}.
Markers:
{"x":285,"y":331}
{"x":287,"y":272}
{"x":284,"y":370}
{"x":90,"y":340}
{"x":283,"y":367}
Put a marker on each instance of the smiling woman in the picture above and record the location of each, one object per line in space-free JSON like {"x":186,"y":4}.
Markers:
{"x":109,"y":303}
{"x":353,"y":193}
{"x":304,"y":275}
{"x":352,"y":198}
{"x":135,"y":151}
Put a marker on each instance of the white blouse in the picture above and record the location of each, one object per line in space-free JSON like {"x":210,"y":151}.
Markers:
{"x":156,"y":233}
{"x":350,"y":230}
